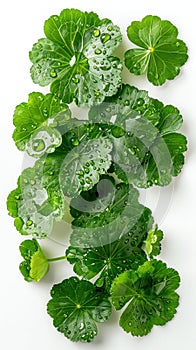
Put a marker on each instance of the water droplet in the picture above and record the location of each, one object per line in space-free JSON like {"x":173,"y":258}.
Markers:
{"x":38,"y":145}
{"x":32,"y":182}
{"x":17,"y":197}
{"x":105,"y":37}
{"x":177,"y":43}
{"x":140,"y":101}
{"x":88,"y":180}
{"x":76,"y":80}
{"x":75,"y":142}
{"x":110,"y":28}
{"x":86,"y":170}
{"x":97,"y":93}
{"x":29,"y":223}
{"x":53,"y":73}
{"x":55,"y":18}
{"x":98,"y":51}
{"x":96,"y":33}
{"x":127,"y":103}
{"x":51,"y":173}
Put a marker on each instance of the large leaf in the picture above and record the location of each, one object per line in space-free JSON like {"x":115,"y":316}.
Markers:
{"x":107,"y":260}
{"x":38,"y":200}
{"x":113,"y":214}
{"x":35,"y":264}
{"x":76,"y":57}
{"x":151,"y":294}
{"x":39,"y":124}
{"x":76,"y":306}
{"x":161,"y":53}
{"x":84,"y":164}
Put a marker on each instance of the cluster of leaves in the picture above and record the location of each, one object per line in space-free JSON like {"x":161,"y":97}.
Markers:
{"x":127,"y":140}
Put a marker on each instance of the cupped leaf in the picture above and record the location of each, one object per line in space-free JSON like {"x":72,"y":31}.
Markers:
{"x":76,"y":306}
{"x":35,"y":265}
{"x":39,"y":124}
{"x":38,"y":200}
{"x":75,"y":57}
{"x":151,"y":294}
{"x":84,"y":164}
{"x":161,"y":53}
{"x":152,"y":244}
{"x":119,"y":214}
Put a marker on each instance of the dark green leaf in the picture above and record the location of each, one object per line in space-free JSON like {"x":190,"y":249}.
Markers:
{"x":35,"y":265}
{"x":76,"y":306}
{"x":161,"y":53}
{"x":39,"y":124}
{"x":119,"y":214}
{"x":108,"y":260}
{"x":76,"y":57}
{"x":151,"y":294}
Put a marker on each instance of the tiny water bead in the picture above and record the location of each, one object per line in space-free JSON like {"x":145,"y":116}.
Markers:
{"x":96,"y":33}
{"x":38,"y":145}
{"x":98,"y":51}
{"x":105,"y":37}
{"x":53,"y":73}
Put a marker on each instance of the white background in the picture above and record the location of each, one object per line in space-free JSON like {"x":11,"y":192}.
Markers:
{"x":24,"y":323}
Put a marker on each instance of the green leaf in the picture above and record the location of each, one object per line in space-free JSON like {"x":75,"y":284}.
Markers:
{"x":35,"y":265}
{"x":75,"y":57}
{"x":107,"y":260}
{"x":38,"y":200}
{"x":119,"y":214}
{"x":76,"y":306}
{"x":39,"y":124}
{"x":152,"y":244}
{"x":84,"y":164}
{"x":151,"y":294}
{"x":161,"y":53}
{"x":128,"y":103}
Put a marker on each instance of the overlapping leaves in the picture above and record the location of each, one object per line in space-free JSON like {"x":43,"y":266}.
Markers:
{"x":146,"y":145}
{"x":151,"y":294}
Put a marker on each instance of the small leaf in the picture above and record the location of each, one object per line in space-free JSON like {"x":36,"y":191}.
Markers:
{"x":75,"y":57}
{"x":151,"y":294}
{"x":76,"y":306}
{"x":161,"y":53}
{"x":35,"y":265}
{"x":152,"y":244}
{"x":39,"y":124}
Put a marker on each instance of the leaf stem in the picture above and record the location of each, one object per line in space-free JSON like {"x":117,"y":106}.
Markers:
{"x":57,"y":258}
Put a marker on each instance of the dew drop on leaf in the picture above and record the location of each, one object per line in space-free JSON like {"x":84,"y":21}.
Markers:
{"x":96,"y":33}
{"x":105,"y":37}
{"x":38,"y":145}
{"x":53,"y":73}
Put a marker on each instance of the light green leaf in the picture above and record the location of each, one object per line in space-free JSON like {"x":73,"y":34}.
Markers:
{"x":151,"y":294}
{"x":35,"y":265}
{"x":38,"y":200}
{"x":76,"y":57}
{"x":152,"y":244}
{"x":76,"y":306}
{"x":39,"y":124}
{"x":161,"y":53}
